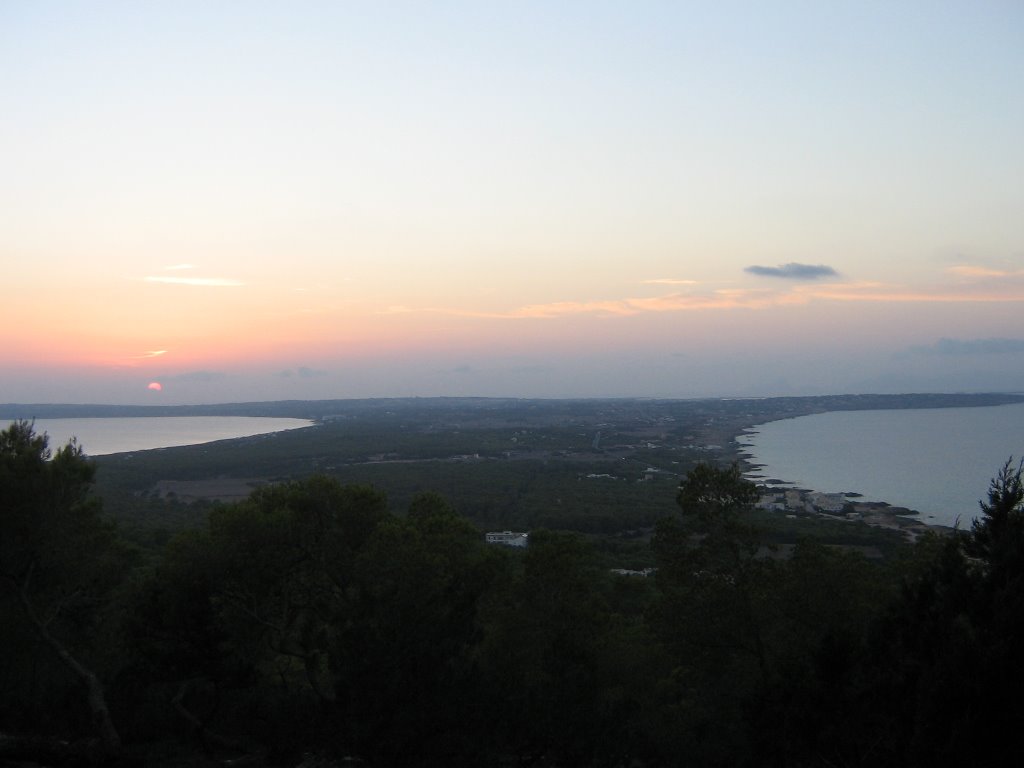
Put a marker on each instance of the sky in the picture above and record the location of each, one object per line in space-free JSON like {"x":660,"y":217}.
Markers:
{"x":233,"y":201}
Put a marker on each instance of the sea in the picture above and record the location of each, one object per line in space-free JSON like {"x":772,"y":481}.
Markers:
{"x":101,"y":436}
{"x":936,"y":461}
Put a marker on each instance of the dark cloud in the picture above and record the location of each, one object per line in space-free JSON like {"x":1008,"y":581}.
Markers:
{"x":533,"y":368}
{"x":794,"y":271}
{"x":962,"y":347}
{"x":302,"y":372}
{"x":198,"y":376}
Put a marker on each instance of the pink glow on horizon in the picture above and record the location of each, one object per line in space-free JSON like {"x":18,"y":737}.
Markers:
{"x":648,"y":200}
{"x":245,"y":336}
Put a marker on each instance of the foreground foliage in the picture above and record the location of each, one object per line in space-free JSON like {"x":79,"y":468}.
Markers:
{"x":310,"y":619}
{"x":58,"y":565}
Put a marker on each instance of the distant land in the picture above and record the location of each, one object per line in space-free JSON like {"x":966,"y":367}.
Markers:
{"x":779,"y":407}
{"x":593,"y":484}
{"x":602,"y":467}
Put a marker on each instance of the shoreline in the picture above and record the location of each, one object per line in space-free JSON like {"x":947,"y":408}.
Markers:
{"x":806,"y":502}
{"x":794,"y":501}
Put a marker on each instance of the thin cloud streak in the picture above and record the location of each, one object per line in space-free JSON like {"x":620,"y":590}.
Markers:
{"x":761,"y":299}
{"x":206,"y":282}
{"x":738,"y":298}
{"x":675,"y":302}
{"x":878,"y":292}
{"x":965,"y":347}
{"x":979,"y":289}
{"x":967,"y":270}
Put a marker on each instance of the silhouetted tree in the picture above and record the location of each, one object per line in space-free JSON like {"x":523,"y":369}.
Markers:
{"x":56,"y":554}
{"x":997,"y":537}
{"x":937,"y":678}
{"x":716,"y":606}
{"x":404,"y":664}
{"x":542,"y":655}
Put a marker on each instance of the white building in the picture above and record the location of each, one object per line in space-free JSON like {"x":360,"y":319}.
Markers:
{"x":828,"y":502}
{"x":508,"y":538}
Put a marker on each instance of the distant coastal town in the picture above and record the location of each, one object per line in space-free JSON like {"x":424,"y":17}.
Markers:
{"x":801,"y":502}
{"x":599,"y":467}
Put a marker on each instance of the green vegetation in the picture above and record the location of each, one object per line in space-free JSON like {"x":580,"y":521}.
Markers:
{"x":317,"y":617}
{"x":604,"y":468}
{"x":59,"y":564}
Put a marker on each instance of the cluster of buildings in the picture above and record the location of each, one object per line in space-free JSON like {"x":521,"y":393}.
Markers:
{"x":507,"y":538}
{"x":796,"y":500}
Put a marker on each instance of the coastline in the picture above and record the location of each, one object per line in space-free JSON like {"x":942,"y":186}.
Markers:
{"x":127,"y":435}
{"x":785,"y":497}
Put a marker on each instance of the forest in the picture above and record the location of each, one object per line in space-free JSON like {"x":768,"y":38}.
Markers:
{"x":313,"y":623}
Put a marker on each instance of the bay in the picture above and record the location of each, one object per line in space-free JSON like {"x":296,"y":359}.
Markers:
{"x":938,"y":461}
{"x":100,"y":436}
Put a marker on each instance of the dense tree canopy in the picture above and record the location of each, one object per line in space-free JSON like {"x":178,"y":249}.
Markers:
{"x":312,"y":619}
{"x":58,"y":562}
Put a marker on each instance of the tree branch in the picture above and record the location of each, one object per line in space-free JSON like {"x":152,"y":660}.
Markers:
{"x":96,"y":699}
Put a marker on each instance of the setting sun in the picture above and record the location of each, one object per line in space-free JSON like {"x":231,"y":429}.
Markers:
{"x":660,"y":201}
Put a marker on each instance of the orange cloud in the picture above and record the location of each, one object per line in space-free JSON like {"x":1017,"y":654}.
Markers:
{"x":968,"y":270}
{"x":673,"y":302}
{"x":149,"y":330}
{"x":880,"y":292}
{"x":744,"y":298}
{"x":209,"y":282}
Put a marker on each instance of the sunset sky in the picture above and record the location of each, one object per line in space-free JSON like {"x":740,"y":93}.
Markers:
{"x":257,"y":201}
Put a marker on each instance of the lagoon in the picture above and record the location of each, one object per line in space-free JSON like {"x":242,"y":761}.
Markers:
{"x":101,"y":436}
{"x":938,"y":461}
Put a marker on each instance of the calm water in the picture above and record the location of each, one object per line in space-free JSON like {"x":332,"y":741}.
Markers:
{"x":937,"y":461}
{"x":118,"y":435}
